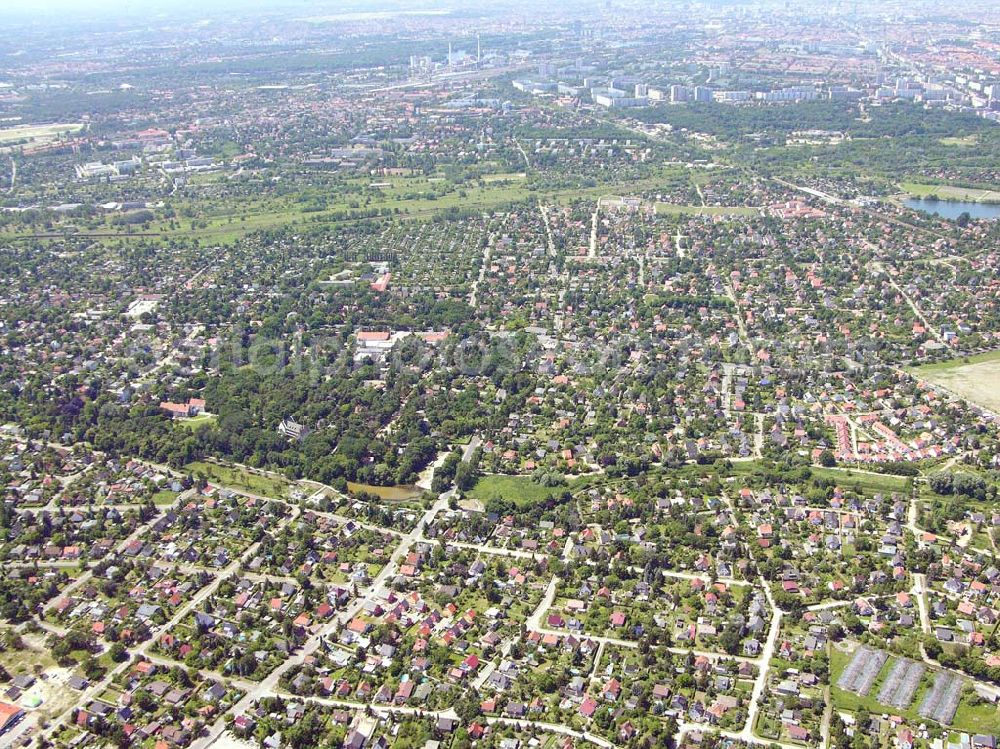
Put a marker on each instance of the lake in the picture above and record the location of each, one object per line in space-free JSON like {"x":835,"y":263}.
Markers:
{"x":954,"y":208}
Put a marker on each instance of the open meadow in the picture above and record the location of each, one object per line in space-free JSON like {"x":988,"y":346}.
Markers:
{"x":975,"y":378}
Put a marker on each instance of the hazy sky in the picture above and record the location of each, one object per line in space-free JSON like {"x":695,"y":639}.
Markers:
{"x":80,"y":6}
{"x":140,"y":7}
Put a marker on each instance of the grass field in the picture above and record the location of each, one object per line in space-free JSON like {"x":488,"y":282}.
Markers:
{"x":164,"y":497}
{"x":520,"y":490}
{"x":503,"y":177}
{"x":870,"y":482}
{"x":37,"y":133}
{"x":948,"y":192}
{"x":670,"y":209}
{"x":238,"y":478}
{"x":976,"y":378}
{"x":197,"y":422}
{"x":982,"y":718}
{"x":416,"y":198}
{"x":960,"y":140}
{"x":226,"y":221}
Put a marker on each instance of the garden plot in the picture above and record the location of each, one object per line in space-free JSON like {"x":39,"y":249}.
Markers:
{"x":901,"y":683}
{"x":862,"y":671}
{"x":941,"y":702}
